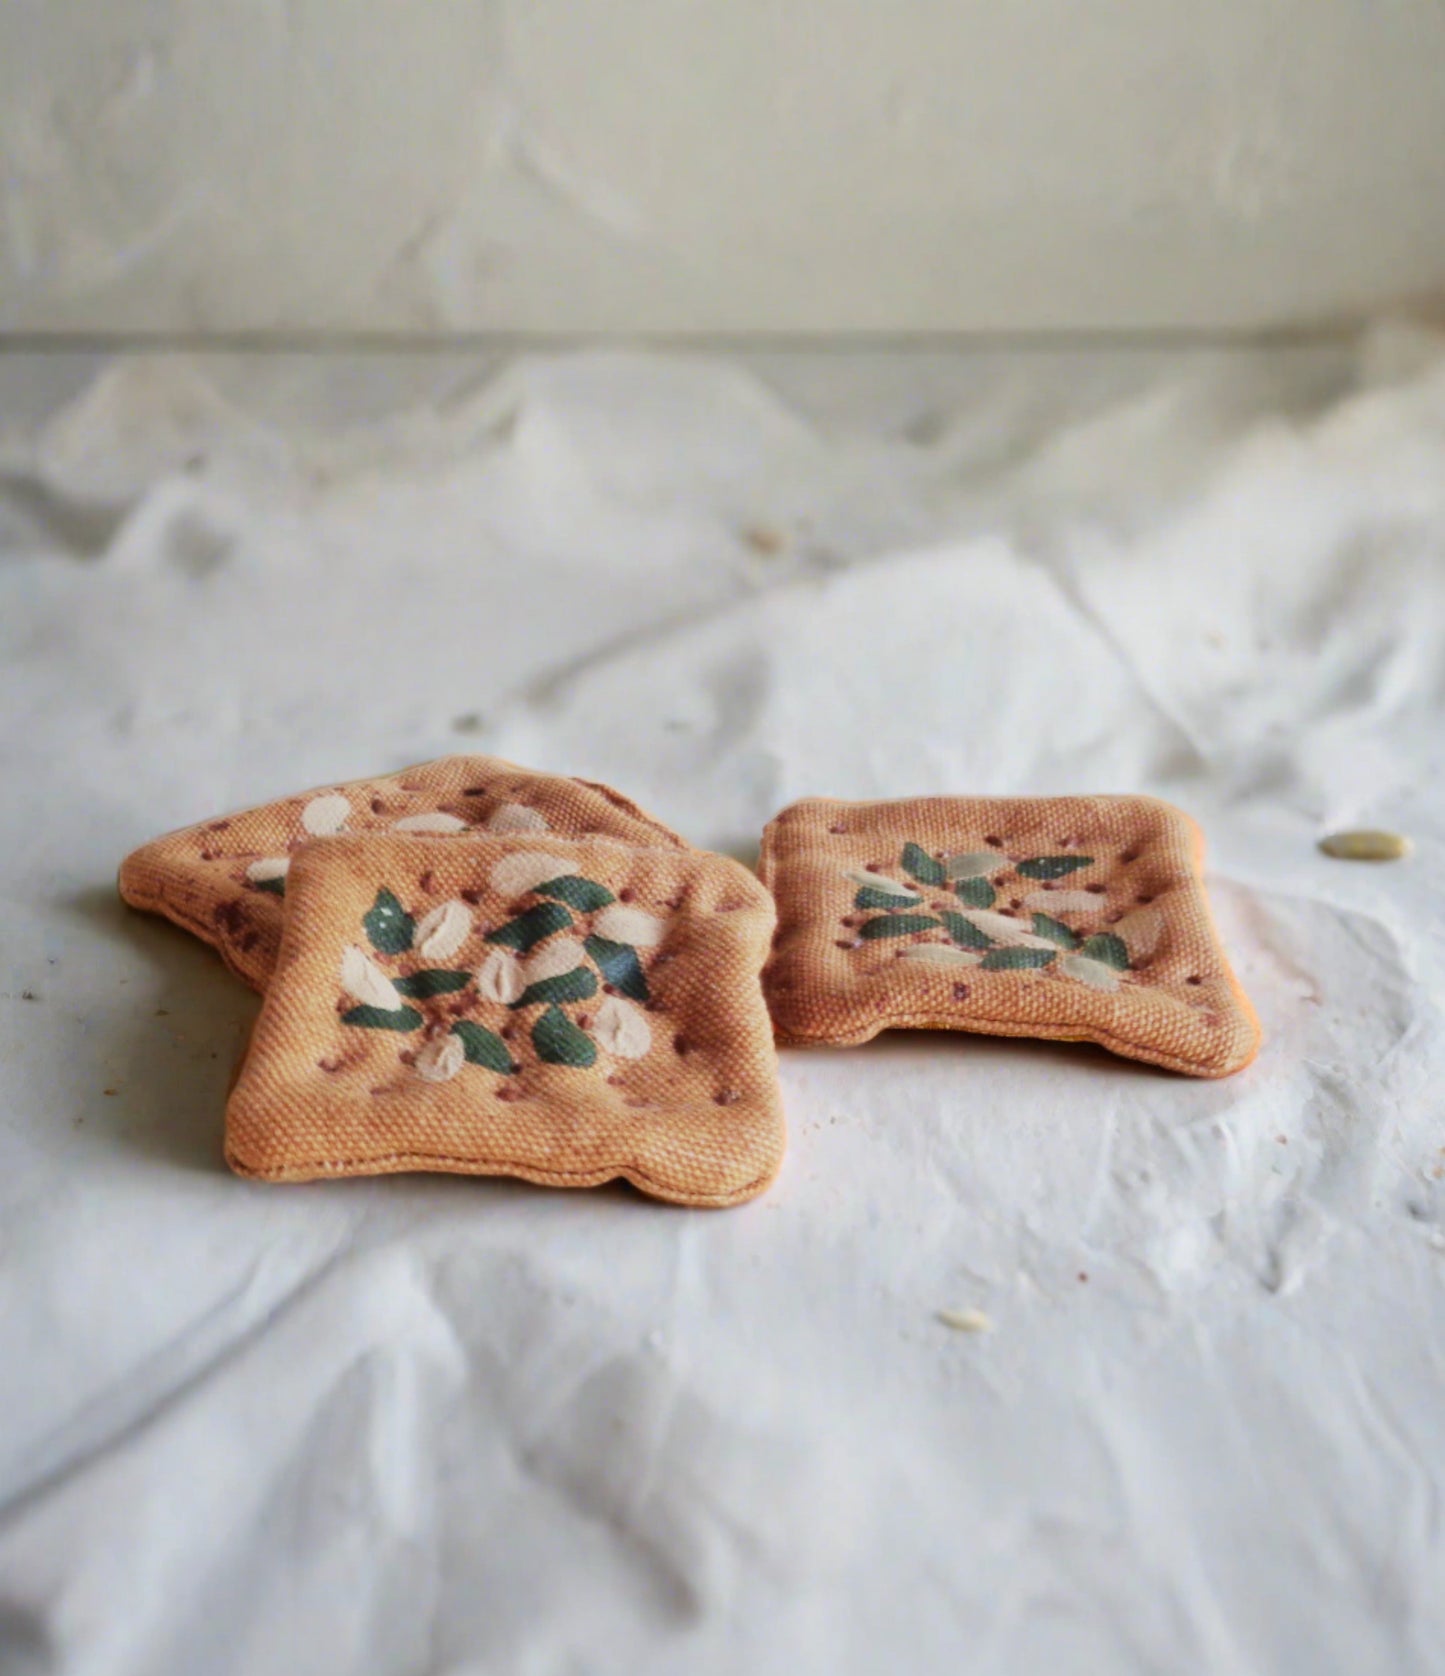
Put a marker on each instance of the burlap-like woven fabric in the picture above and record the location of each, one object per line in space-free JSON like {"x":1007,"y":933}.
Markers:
{"x":224,"y":879}
{"x":568,"y":1012}
{"x":1075,"y":918}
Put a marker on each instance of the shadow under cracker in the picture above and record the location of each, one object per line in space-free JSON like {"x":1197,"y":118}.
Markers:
{"x":163,"y":1065}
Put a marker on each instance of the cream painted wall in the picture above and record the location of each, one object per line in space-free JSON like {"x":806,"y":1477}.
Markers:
{"x":712,"y":165}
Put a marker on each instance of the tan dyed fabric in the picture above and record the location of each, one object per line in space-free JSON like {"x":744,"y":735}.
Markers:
{"x":1076,"y":918}
{"x":224,"y":879}
{"x":568,"y":1012}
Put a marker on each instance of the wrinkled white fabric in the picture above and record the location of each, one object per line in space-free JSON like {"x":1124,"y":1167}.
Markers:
{"x":434,"y":1425}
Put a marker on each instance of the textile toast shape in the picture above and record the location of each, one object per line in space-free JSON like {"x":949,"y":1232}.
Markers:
{"x":224,"y":879}
{"x":1075,"y":918}
{"x":567,"y":1012}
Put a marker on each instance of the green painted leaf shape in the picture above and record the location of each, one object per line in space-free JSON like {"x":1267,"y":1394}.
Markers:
{"x":383,"y":1018}
{"x":918,"y":864}
{"x":1015,"y":960}
{"x":277,"y":887}
{"x":483,"y":1046}
{"x":965,"y":933}
{"x":1045,"y":925}
{"x":619,"y":966}
{"x":431,"y":981}
{"x":889,"y":901}
{"x":1054,"y":866}
{"x":388,"y":924}
{"x":575,"y":985}
{"x":559,"y":1042}
{"x":585,"y":895}
{"x":1108,"y":949}
{"x":897,"y":925}
{"x":975,"y":892}
{"x":528,"y":929}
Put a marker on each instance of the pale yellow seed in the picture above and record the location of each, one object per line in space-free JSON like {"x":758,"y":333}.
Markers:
{"x":966,"y":1320}
{"x":1366,"y":846}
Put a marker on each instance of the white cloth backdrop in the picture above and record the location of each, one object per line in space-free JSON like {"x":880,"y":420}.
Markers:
{"x":437,"y":1425}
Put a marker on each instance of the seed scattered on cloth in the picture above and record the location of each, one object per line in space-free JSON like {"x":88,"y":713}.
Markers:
{"x":1366,"y":846}
{"x":765,"y":540}
{"x":966,"y":1320}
